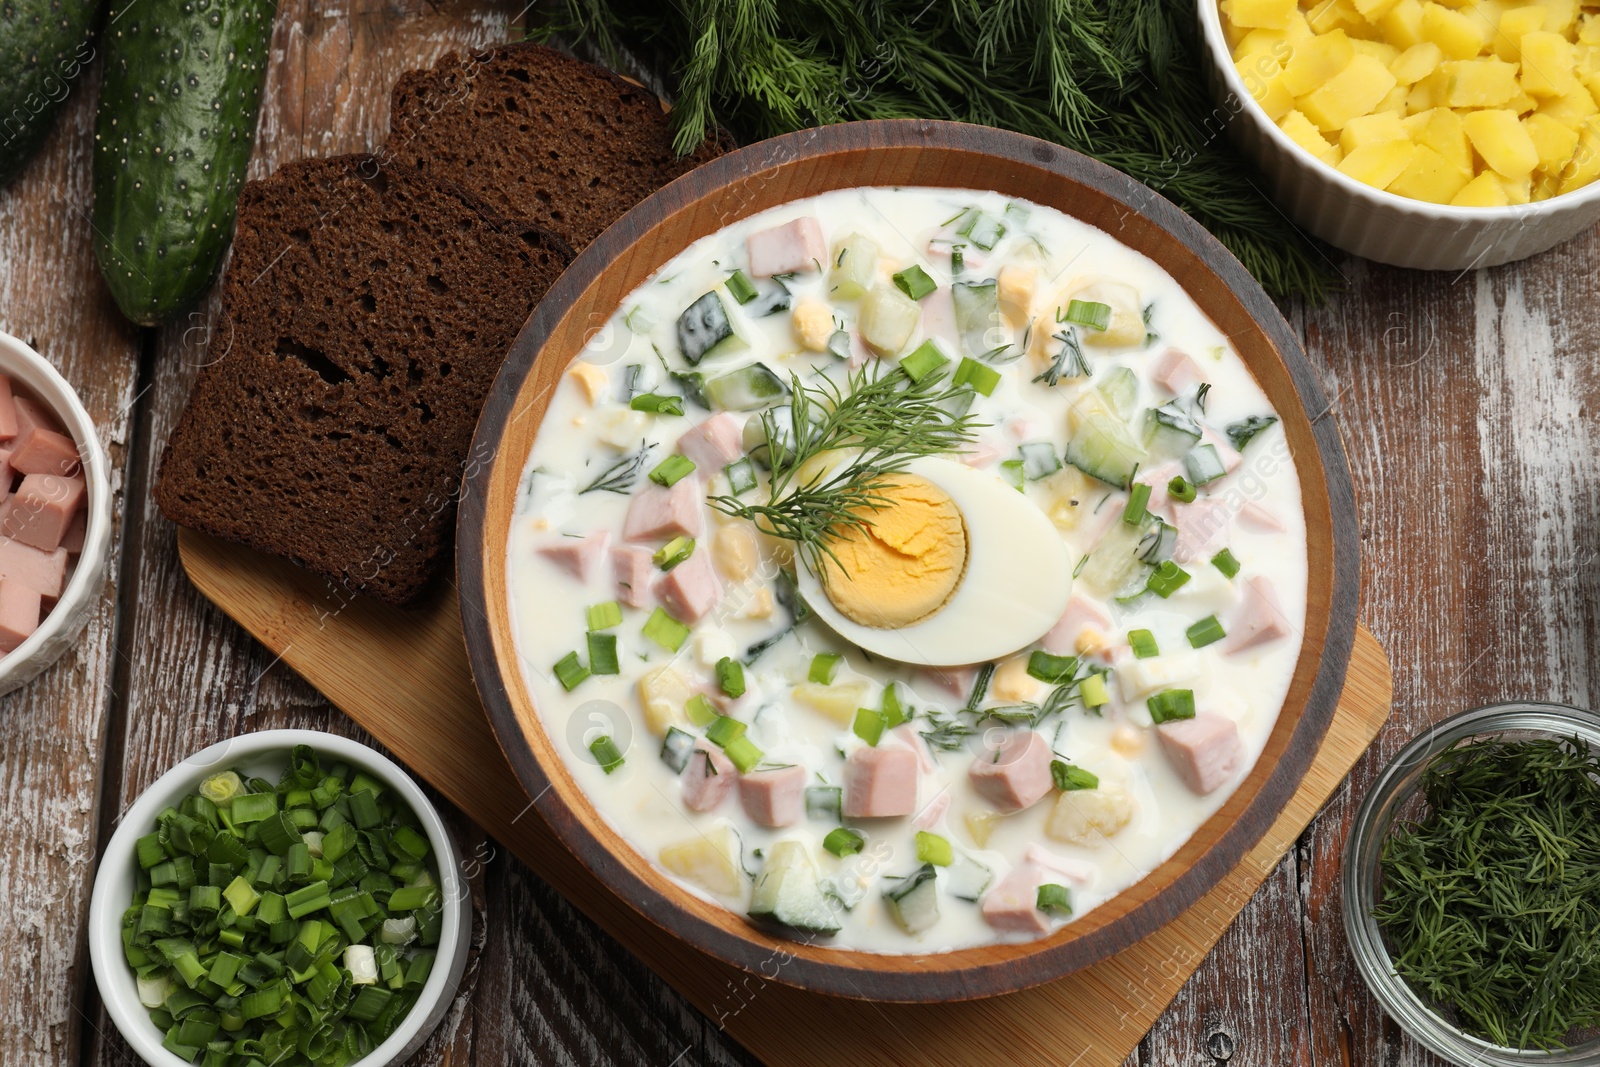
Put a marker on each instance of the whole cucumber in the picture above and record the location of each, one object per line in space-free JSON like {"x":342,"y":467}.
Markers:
{"x":172,"y":140}
{"x":44,"y":46}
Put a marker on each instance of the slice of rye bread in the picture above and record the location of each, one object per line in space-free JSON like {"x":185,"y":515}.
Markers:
{"x":366,"y":312}
{"x":539,"y":135}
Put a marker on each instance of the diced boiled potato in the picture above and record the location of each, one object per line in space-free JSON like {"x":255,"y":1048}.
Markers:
{"x":1486,"y":11}
{"x":1371,"y":129}
{"x":1416,"y":63}
{"x":1502,"y":141}
{"x":1553,"y":141}
{"x":1373,"y":10}
{"x":838,"y":701}
{"x":1443,"y":134}
{"x":1571,"y":110}
{"x":1474,"y":83}
{"x":1127,"y":313}
{"x":1589,"y":29}
{"x":1420,"y":98}
{"x":1353,"y":92}
{"x":1384,"y":53}
{"x":1402,"y":25}
{"x":662,"y":695}
{"x":1516,"y":23}
{"x":1547,"y":62}
{"x":1545,"y":186}
{"x":1272,"y":14}
{"x":1015,"y":287}
{"x":1263,"y":80}
{"x":1138,"y":678}
{"x":980,"y":824}
{"x":1518,"y":190}
{"x":1378,"y":164}
{"x":1325,"y":16}
{"x":1522,"y":104}
{"x":1315,"y":61}
{"x":1087,"y":816}
{"x":1585,"y":165}
{"x":1304,"y":134}
{"x":710,"y":860}
{"x":1560,"y":16}
{"x":1459,"y":35}
{"x":1271,"y":45}
{"x":1071,"y":495}
{"x":1298,"y":30}
{"x":1395,"y":102}
{"x":1483,"y":191}
{"x":1429,"y":176}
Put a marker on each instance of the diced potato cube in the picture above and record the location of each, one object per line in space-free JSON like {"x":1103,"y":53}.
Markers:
{"x":1514,"y":25}
{"x":1271,"y":45}
{"x":888,"y":318}
{"x":1486,"y":11}
{"x":1402,"y":25}
{"x":710,"y":860}
{"x":1325,"y":16}
{"x":1088,"y":816}
{"x":1373,"y":10}
{"x":1315,"y":61}
{"x":1395,"y":102}
{"x":1589,"y":29}
{"x":1371,"y":129}
{"x":1429,"y":176}
{"x":1127,"y":312}
{"x":1584,"y":166}
{"x":1571,"y":110}
{"x":1483,"y":191}
{"x":1416,"y":63}
{"x":1385,"y":53}
{"x":662,"y":695}
{"x":1443,"y":133}
{"x":1522,"y":103}
{"x":1547,"y":61}
{"x":1502,"y":141}
{"x":1420,"y":98}
{"x":1352,"y":92}
{"x":1015,"y":287}
{"x":980,"y":824}
{"x":1560,"y":16}
{"x":1474,"y":83}
{"x":1458,"y":35}
{"x":838,"y":701}
{"x":1272,"y":14}
{"x":1545,"y":186}
{"x":1378,"y":164}
{"x":1304,"y":134}
{"x":1518,"y":190}
{"x":1553,"y":141}
{"x":1263,"y":80}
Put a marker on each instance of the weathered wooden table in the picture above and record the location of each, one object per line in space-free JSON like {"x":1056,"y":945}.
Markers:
{"x":1467,"y":403}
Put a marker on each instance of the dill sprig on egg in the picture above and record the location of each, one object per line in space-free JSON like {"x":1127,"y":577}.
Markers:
{"x":879,"y":421}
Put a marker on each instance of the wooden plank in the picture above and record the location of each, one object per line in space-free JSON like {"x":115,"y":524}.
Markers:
{"x":53,"y":732}
{"x":403,"y":675}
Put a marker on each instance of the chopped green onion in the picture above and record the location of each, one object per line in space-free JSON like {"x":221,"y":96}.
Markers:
{"x":605,"y":752}
{"x":1054,"y":899}
{"x":1051,"y":668}
{"x":242,"y":897}
{"x":743,"y":754}
{"x":1225,"y":563}
{"x":842,"y":842}
{"x":1166,"y":579}
{"x":1093,"y":692}
{"x":724,"y":731}
{"x":931,"y":848}
{"x":700,"y":710}
{"x":1068,"y":777}
{"x":307,"y":899}
{"x":923,"y":361}
{"x":221,"y":788}
{"x":742,"y":288}
{"x":824,"y":665}
{"x":1138,"y":504}
{"x":1090,"y":313}
{"x":149,"y":851}
{"x":370,"y":1003}
{"x":1011,"y":471}
{"x":410,"y":898}
{"x":656,"y":404}
{"x":1143,"y":643}
{"x":824,"y":802}
{"x":741,"y":476}
{"x":1206,"y":632}
{"x":980,"y":376}
{"x":603,"y":654}
{"x":604,"y":616}
{"x":673,"y":552}
{"x":869,"y":725}
{"x":1170,"y":704}
{"x":569,"y":672}
{"x":914,"y":282}
{"x":730,"y":676}
{"x":277,"y":833}
{"x":894,"y":712}
{"x":1180,"y":490}
{"x":665,"y":631}
{"x":253,"y":807}
{"x":672,"y":470}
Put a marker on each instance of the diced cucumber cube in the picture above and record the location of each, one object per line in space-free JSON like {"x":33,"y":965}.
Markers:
{"x":1120,"y":387}
{"x":788,"y":891}
{"x":966,"y":878}
{"x":1039,"y":460}
{"x":1169,"y":431}
{"x":749,"y":388}
{"x":1104,"y":448}
{"x":888,"y":318}
{"x":914,"y":901}
{"x":1203,"y":464}
{"x":675,"y":749}
{"x":981,"y":228}
{"x":854,"y":268}
{"x":977,"y":313}
{"x":705,"y":327}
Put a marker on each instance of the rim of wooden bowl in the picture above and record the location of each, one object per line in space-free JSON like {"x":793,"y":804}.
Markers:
{"x":884,"y":153}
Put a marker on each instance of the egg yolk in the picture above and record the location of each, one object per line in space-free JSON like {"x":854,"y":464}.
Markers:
{"x":905,"y":564}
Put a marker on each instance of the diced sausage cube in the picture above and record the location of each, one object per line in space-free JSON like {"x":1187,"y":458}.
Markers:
{"x":578,"y":556}
{"x":1259,"y":518}
{"x":1175,"y":372}
{"x":957,"y":681}
{"x":19,"y":613}
{"x":42,"y":508}
{"x":1204,"y":750}
{"x":8,"y":410}
{"x":791,"y":248}
{"x":658,"y":513}
{"x":708,"y":777}
{"x":714,"y":443}
{"x":691,"y":589}
{"x":1016,"y":775}
{"x":1013,"y":902}
{"x":1202,"y":530}
{"x":1062,"y":640}
{"x":1225,"y":451}
{"x":980,"y":453}
{"x":31,"y":415}
{"x":932,"y":812}
{"x":41,"y":451}
{"x":774,"y":798}
{"x":880,"y":783}
{"x":45,"y":572}
{"x":1261,"y":618}
{"x":72,"y":540}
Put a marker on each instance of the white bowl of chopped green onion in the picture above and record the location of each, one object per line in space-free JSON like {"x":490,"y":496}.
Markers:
{"x":288,"y":897}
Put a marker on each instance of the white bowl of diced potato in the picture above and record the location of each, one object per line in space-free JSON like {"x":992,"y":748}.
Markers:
{"x":1412,"y":132}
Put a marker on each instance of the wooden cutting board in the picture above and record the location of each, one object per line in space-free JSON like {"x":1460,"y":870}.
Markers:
{"x":403,"y":676}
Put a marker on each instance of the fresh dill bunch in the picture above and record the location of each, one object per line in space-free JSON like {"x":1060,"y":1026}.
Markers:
{"x":879,"y":422}
{"x":1118,"y":80}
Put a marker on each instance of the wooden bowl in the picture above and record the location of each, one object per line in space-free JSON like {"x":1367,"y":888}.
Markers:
{"x":929,"y":154}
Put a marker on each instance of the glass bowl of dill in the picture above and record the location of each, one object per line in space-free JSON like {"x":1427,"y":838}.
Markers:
{"x":1472,"y":887}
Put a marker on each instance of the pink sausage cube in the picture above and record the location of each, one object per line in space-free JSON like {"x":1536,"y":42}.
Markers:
{"x":793,"y":247}
{"x":19,"y":614}
{"x":932,"y":812}
{"x":1158,"y":478}
{"x":77,"y":530}
{"x":1016,"y":775}
{"x":1202,"y":530}
{"x":658,"y":513}
{"x":690,"y":589}
{"x":714,"y":443}
{"x":880,"y":782}
{"x":1062,"y":640}
{"x":42,"y":508}
{"x":43,"y":571}
{"x":1012,"y":903}
{"x":1256,"y":517}
{"x":578,"y":556}
{"x":1261,"y":618}
{"x":774,"y":798}
{"x":957,"y":681}
{"x":632,"y":566}
{"x":708,"y":777}
{"x":1175,"y":372}
{"x":32,"y":415}
{"x":980,"y":453}
{"x":1204,"y":750}
{"x":41,"y":451}
{"x":8,"y":409}
{"x":1225,"y":451}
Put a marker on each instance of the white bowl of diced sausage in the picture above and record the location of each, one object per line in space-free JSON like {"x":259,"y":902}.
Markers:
{"x":55,"y":514}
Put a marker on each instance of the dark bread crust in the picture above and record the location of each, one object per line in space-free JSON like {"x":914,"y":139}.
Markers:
{"x":366,"y":311}
{"x":539,"y":135}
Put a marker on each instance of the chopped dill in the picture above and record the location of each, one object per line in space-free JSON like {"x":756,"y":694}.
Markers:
{"x":620,"y":476}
